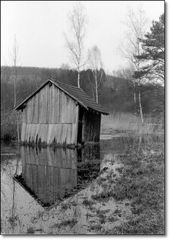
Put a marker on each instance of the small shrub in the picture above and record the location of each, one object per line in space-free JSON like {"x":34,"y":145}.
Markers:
{"x":96,"y":227}
{"x":87,"y":202}
{"x":30,"y":230}
{"x":9,"y":126}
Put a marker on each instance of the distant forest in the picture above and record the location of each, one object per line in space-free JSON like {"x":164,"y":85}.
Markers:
{"x":115,"y":93}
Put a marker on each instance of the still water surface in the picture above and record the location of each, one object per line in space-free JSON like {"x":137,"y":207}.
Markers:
{"x":33,"y":179}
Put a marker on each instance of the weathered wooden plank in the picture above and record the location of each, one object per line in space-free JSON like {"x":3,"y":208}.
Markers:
{"x":33,"y":132}
{"x":71,"y":111}
{"x":71,"y":129}
{"x":27,"y":133}
{"x":40,"y":106}
{"x":42,"y":133}
{"x":46,"y":134}
{"x":34,"y":110}
{"x":31,"y":111}
{"x":53,"y":104}
{"x":44,"y":108}
{"x":47,"y":90}
{"x":68,"y":134}
{"x":30,"y":132}
{"x":43,"y":105}
{"x":53,"y":137}
{"x":28,"y":112}
{"x":49,"y":133}
{"x":49,"y":105}
{"x":57,"y":106}
{"x":24,"y":116}
{"x":60,"y":132}
{"x":75,"y":112}
{"x":73,"y":134}
{"x":63,"y":107}
{"x":37,"y":108}
{"x":43,"y":120}
{"x":76,"y":125}
{"x":55,"y":133}
{"x":65,"y":133}
{"x":36,"y":133}
{"x":23,"y":132}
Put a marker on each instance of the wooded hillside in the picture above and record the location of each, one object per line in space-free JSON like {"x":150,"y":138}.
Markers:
{"x":115,"y":93}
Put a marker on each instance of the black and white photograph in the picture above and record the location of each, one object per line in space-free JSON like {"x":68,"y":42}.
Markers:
{"x":83,"y":118}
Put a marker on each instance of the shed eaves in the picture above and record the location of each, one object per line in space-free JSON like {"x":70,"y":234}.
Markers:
{"x":74,"y":92}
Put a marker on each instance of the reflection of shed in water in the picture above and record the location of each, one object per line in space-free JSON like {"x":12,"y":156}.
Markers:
{"x":60,"y":113}
{"x":49,"y":174}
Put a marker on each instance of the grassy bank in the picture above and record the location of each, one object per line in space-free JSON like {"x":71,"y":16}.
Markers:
{"x":142,"y":183}
{"x":126,"y":198}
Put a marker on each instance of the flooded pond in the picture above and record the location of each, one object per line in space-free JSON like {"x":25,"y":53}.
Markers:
{"x":34,"y":179}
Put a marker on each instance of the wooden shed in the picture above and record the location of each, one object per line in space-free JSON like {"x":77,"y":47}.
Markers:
{"x":60,"y":114}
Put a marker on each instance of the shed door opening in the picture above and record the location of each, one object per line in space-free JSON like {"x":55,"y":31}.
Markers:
{"x":80,"y":125}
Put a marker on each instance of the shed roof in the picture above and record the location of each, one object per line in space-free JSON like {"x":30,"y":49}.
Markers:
{"x":74,"y":92}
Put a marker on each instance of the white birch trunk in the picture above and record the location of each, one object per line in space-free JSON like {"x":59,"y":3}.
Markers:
{"x":96,"y":86}
{"x":15,"y":87}
{"x":78,"y":79}
{"x":140,"y":107}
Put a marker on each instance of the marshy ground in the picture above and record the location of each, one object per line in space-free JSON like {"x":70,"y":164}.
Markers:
{"x":127,"y":197}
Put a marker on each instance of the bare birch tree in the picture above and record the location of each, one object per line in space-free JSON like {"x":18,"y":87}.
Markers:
{"x":75,"y":42}
{"x":95,"y":64}
{"x":14,"y":60}
{"x":136,"y":23}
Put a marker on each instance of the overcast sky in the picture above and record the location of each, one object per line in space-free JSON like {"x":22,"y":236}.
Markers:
{"x":39,"y":28}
